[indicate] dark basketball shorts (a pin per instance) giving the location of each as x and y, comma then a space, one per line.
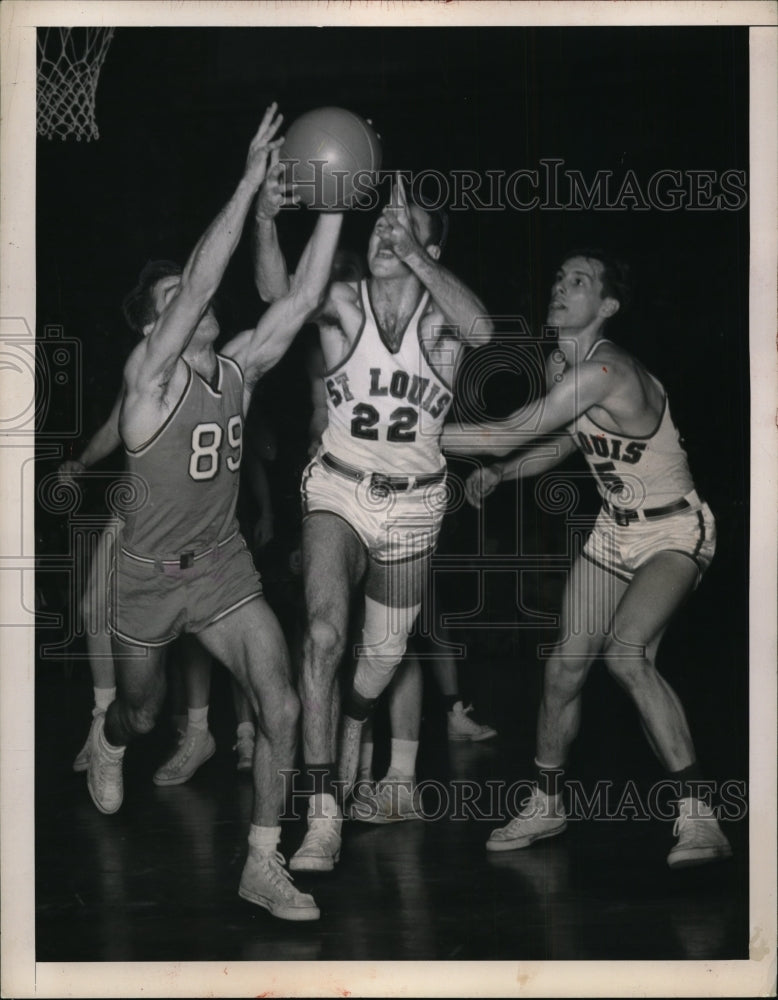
622, 549
394, 525
152, 602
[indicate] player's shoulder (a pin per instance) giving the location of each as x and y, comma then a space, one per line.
608, 351
344, 291
134, 363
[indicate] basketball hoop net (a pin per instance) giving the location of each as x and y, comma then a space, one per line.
69, 64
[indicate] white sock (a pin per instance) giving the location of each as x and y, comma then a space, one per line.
246, 729
458, 705
264, 838
197, 718
403, 760
104, 697
366, 760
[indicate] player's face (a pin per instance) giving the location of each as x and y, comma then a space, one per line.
577, 296
381, 259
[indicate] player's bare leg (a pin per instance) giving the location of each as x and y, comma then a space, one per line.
393, 798
196, 744
140, 683
393, 596
589, 600
658, 589
94, 612
334, 561
250, 643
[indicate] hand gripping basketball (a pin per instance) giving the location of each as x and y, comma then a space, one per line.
274, 194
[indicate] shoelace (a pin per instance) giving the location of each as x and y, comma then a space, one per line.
183, 754
280, 877
685, 821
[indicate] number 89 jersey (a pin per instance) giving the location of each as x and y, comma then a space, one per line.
386, 408
190, 470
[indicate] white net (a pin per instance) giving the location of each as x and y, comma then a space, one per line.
69, 64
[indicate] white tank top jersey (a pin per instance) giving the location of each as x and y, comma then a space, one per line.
387, 408
635, 472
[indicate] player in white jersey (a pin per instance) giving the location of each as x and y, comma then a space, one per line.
652, 540
373, 495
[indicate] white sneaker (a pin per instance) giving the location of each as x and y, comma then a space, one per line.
104, 776
320, 849
700, 839
348, 752
81, 762
461, 727
389, 801
266, 882
195, 749
539, 818
245, 748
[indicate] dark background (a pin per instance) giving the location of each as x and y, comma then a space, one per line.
176, 110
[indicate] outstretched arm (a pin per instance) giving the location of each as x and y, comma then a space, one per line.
527, 462
580, 388
462, 309
270, 273
257, 350
100, 445
206, 265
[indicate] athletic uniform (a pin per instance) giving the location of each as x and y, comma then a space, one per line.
183, 563
650, 504
380, 466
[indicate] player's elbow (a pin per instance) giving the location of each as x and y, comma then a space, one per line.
308, 300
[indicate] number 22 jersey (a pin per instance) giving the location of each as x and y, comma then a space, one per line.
187, 475
386, 408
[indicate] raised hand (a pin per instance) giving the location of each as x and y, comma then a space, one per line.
481, 482
262, 145
395, 226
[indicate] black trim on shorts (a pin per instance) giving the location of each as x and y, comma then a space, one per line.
701, 542
405, 559
608, 569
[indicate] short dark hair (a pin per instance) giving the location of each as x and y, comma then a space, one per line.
616, 276
439, 224
138, 305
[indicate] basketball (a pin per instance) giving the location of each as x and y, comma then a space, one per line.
331, 157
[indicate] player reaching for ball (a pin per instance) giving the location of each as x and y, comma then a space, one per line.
182, 565
651, 543
373, 495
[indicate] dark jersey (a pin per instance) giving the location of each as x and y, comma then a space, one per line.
188, 472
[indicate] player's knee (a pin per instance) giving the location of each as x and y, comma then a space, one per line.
384, 638
564, 678
626, 662
324, 644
